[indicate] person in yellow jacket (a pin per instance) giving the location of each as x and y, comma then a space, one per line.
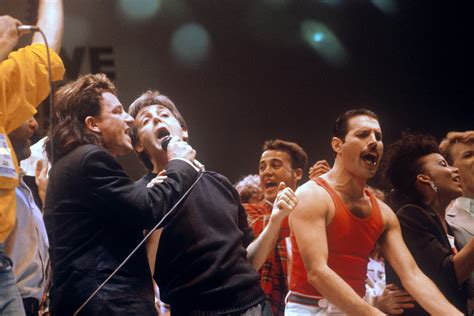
24, 83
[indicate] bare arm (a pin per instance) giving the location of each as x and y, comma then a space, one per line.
393, 300
259, 250
414, 281
41, 178
464, 262
51, 22
308, 222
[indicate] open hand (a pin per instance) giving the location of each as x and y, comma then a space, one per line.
160, 177
394, 301
318, 169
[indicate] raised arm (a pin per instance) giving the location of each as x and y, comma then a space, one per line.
51, 22
259, 250
308, 222
122, 200
9, 35
413, 279
319, 168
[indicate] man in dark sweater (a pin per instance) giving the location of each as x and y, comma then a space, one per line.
207, 255
94, 213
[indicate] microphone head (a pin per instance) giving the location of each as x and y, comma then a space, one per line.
26, 29
165, 142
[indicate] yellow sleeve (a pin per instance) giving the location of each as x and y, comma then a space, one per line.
24, 83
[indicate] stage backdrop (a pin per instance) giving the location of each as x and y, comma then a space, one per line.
245, 71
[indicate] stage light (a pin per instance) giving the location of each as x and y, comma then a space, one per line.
190, 44
139, 9
386, 6
324, 42
318, 37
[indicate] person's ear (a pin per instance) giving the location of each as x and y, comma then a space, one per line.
91, 124
185, 134
298, 174
336, 144
423, 178
139, 147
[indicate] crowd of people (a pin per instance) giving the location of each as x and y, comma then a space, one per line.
183, 240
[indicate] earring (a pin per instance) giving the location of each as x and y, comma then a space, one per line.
433, 186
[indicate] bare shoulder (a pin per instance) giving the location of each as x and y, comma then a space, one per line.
388, 215
313, 201
310, 187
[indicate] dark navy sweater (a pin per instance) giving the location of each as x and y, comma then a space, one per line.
201, 264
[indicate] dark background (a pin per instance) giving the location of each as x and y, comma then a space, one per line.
260, 80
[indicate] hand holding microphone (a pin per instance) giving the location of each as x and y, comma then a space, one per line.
9, 35
177, 148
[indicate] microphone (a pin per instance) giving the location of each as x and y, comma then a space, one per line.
27, 29
164, 145
165, 142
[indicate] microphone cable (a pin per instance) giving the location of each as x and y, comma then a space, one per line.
51, 92
138, 246
25, 29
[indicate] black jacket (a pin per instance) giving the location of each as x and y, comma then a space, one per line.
424, 236
95, 215
201, 264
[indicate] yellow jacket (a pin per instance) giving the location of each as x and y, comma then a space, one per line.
23, 85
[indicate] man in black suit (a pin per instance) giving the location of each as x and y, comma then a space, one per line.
94, 213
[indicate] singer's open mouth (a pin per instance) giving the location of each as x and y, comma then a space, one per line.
162, 132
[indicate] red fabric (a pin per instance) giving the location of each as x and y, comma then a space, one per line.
350, 242
274, 272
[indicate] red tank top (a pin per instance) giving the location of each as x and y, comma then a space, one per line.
350, 242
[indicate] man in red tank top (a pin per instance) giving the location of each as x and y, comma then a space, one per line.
336, 225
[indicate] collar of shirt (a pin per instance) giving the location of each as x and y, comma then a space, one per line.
465, 204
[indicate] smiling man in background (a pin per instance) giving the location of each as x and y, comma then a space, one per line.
281, 161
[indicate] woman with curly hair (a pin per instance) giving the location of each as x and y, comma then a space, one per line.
426, 184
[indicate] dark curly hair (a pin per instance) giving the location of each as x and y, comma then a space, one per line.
298, 156
402, 164
72, 103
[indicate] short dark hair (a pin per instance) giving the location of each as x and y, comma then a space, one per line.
298, 156
72, 103
402, 162
341, 125
452, 138
149, 98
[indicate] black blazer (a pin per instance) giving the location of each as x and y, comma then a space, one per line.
424, 236
95, 215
